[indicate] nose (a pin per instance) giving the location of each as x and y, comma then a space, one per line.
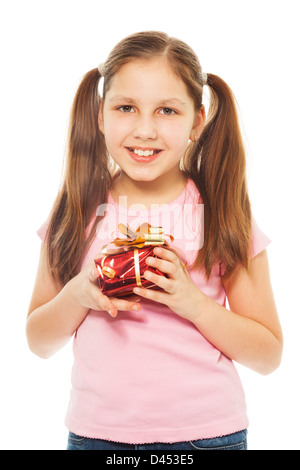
145, 128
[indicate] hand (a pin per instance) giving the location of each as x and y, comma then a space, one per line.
180, 293
86, 291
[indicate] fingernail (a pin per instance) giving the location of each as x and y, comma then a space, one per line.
136, 307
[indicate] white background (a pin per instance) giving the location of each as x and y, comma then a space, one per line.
46, 48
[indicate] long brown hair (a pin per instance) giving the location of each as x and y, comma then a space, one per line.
216, 163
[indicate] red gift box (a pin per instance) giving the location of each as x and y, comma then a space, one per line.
122, 268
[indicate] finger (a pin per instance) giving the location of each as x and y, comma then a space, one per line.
166, 254
133, 298
160, 281
172, 256
93, 274
162, 265
102, 302
113, 304
125, 305
154, 295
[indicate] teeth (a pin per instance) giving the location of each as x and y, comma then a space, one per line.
140, 153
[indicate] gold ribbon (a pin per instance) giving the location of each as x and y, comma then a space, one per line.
110, 273
144, 235
137, 267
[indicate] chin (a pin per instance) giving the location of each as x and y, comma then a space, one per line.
146, 175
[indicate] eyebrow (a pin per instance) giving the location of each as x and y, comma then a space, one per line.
168, 102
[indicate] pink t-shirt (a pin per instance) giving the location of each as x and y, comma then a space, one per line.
151, 376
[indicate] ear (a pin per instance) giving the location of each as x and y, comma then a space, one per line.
198, 126
100, 118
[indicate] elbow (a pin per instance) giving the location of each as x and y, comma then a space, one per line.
272, 362
34, 343
268, 368
39, 352
40, 343
37, 349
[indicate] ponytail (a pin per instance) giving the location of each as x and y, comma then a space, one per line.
85, 184
221, 180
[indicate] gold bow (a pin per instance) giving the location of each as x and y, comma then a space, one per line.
145, 235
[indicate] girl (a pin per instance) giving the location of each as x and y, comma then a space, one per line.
155, 370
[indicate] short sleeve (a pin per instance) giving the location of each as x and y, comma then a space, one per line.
42, 231
259, 242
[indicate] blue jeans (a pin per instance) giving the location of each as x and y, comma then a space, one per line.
236, 441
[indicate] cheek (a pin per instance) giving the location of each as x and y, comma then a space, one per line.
114, 133
177, 136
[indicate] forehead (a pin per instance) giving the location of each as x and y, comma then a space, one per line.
144, 80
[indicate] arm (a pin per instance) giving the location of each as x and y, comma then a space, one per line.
55, 312
248, 333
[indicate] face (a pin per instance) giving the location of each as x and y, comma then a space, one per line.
148, 119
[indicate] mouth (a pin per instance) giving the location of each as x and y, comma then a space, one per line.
143, 155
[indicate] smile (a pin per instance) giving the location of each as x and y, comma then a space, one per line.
143, 155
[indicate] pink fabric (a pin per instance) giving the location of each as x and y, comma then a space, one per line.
150, 376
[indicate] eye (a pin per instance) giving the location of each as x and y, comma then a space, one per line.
167, 111
126, 109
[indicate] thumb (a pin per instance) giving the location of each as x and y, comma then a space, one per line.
93, 273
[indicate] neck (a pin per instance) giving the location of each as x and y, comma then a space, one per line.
158, 191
